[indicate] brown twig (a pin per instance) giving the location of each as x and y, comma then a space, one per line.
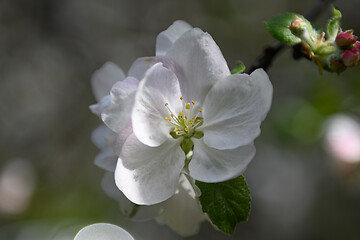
268, 55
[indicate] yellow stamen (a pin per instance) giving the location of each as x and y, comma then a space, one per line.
193, 102
166, 104
181, 98
187, 106
172, 115
167, 119
199, 110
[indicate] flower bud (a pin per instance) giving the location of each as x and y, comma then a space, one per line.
337, 66
297, 27
356, 48
345, 39
350, 58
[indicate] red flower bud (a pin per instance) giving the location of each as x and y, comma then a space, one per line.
350, 58
345, 39
356, 48
337, 66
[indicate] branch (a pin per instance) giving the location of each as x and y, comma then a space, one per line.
267, 57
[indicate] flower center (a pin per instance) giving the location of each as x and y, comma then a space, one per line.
186, 121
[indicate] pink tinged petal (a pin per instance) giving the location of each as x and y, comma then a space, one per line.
213, 165
167, 38
159, 86
149, 175
183, 212
100, 106
117, 115
141, 65
234, 108
199, 64
104, 78
342, 138
128, 208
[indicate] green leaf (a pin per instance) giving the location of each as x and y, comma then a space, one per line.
240, 67
334, 25
226, 203
278, 27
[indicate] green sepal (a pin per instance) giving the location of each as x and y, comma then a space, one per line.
325, 50
333, 25
278, 27
198, 134
226, 203
187, 145
240, 67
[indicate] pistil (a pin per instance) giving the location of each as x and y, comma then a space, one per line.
185, 123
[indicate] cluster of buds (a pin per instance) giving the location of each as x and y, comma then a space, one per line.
346, 42
333, 53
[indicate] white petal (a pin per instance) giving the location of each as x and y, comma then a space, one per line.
141, 65
121, 138
183, 212
104, 78
118, 114
159, 86
128, 208
98, 136
106, 159
199, 64
149, 175
103, 231
213, 165
166, 38
100, 106
234, 108
103, 138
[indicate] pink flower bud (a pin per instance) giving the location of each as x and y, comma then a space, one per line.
337, 66
350, 58
297, 27
356, 48
345, 39
297, 23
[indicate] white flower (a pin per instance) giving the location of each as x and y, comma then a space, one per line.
342, 138
187, 99
182, 212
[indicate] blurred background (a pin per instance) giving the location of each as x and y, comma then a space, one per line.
301, 187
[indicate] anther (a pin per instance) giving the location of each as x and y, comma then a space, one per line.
193, 102
199, 110
181, 98
187, 106
166, 104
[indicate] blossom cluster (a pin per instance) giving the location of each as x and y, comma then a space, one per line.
332, 53
177, 117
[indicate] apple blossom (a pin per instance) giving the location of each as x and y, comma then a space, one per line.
342, 138
189, 115
182, 212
